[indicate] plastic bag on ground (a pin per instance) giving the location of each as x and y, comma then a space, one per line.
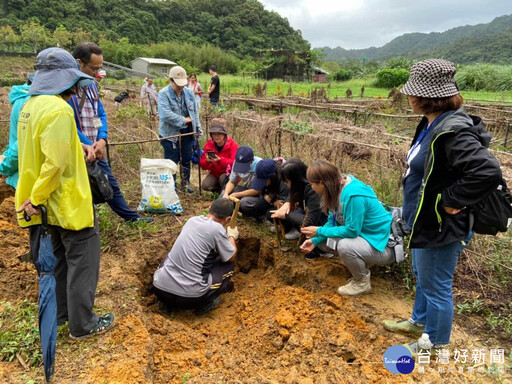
158, 189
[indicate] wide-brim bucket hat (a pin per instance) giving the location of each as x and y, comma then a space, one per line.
56, 72
432, 78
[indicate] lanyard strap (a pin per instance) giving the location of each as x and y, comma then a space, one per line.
92, 102
423, 134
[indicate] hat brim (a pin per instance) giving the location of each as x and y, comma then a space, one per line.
258, 184
239, 167
181, 82
428, 91
218, 129
56, 81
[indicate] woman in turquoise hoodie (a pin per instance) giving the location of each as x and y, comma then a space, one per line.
9, 160
357, 228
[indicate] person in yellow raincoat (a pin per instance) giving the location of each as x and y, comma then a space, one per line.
52, 172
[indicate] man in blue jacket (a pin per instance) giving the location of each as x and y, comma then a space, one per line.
91, 122
177, 109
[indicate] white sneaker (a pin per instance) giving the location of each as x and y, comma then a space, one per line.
272, 229
292, 235
356, 287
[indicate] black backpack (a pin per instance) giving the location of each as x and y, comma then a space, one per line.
101, 189
121, 97
493, 214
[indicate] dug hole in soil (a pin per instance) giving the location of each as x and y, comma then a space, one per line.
284, 323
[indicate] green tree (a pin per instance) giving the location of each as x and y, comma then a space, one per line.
9, 37
34, 33
61, 37
81, 35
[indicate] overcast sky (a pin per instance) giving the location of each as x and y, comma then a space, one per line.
354, 24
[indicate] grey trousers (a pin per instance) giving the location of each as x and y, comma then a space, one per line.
214, 184
76, 273
358, 255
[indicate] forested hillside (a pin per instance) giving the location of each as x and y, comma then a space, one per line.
468, 44
242, 27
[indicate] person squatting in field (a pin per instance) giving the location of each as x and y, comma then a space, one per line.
357, 228
302, 203
199, 267
218, 156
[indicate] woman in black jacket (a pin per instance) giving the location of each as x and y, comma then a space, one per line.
302, 198
449, 168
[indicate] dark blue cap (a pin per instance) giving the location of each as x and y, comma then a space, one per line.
243, 159
264, 169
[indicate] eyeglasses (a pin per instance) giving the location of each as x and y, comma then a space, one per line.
94, 69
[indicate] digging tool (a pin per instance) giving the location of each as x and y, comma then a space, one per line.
232, 223
278, 232
302, 237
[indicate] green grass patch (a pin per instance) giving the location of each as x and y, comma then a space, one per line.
19, 333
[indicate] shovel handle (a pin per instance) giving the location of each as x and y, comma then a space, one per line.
232, 223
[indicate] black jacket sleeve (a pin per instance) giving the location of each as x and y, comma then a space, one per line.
479, 171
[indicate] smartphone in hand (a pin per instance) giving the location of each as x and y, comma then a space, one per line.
211, 154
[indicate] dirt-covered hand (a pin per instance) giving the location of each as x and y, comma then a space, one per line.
233, 232
281, 212
307, 247
309, 231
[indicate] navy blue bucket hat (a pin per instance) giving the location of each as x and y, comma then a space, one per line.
56, 71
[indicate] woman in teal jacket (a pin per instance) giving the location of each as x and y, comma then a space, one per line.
357, 228
9, 163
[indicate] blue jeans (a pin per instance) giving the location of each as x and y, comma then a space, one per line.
172, 152
118, 203
433, 305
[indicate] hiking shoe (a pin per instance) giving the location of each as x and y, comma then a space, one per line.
104, 324
292, 235
189, 189
356, 287
208, 307
413, 348
403, 326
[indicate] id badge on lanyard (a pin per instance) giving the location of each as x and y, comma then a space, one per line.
97, 122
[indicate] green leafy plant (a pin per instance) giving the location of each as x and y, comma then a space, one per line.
300, 128
388, 77
19, 333
476, 306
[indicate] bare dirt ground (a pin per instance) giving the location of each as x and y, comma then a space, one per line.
284, 323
